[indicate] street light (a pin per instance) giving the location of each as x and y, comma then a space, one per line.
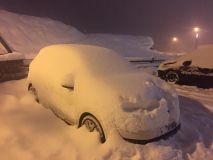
196, 31
175, 39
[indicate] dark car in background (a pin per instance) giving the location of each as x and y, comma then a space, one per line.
11, 63
194, 68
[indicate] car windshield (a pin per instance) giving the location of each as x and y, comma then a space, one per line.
109, 63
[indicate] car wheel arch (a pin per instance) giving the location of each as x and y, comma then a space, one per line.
99, 121
172, 72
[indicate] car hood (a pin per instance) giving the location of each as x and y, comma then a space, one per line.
169, 64
141, 90
146, 102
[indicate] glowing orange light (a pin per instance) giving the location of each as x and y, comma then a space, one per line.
174, 39
196, 29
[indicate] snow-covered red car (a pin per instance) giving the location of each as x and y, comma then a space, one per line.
11, 63
95, 87
194, 68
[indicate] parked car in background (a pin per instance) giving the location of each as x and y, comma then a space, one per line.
11, 63
94, 86
195, 68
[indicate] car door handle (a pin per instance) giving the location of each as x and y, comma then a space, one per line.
68, 87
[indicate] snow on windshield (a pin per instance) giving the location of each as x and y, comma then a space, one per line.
105, 61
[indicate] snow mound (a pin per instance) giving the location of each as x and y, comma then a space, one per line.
125, 45
28, 34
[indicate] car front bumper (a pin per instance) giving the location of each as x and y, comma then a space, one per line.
153, 135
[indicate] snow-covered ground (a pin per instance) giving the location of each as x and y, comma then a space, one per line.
29, 131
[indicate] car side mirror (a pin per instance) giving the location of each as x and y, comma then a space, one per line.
187, 63
68, 82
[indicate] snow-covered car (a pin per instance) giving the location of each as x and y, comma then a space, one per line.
94, 86
194, 68
11, 63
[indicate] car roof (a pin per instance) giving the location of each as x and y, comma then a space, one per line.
200, 57
96, 59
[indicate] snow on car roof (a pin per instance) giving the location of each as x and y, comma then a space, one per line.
96, 59
201, 57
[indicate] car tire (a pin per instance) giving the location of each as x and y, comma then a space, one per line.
92, 124
33, 91
172, 77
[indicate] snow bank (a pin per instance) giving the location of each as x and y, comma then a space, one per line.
28, 34
125, 45
28, 131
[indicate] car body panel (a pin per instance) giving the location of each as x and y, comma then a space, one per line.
194, 68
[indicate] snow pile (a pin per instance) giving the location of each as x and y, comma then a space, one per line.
28, 131
28, 34
125, 45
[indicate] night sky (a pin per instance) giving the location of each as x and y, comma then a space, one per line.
160, 19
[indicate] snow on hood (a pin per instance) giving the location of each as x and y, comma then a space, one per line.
28, 34
139, 90
148, 99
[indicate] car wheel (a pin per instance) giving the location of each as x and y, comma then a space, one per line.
92, 124
33, 91
172, 77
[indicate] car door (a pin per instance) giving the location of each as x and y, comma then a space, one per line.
65, 98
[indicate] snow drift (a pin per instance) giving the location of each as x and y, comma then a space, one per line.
28, 34
126, 45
